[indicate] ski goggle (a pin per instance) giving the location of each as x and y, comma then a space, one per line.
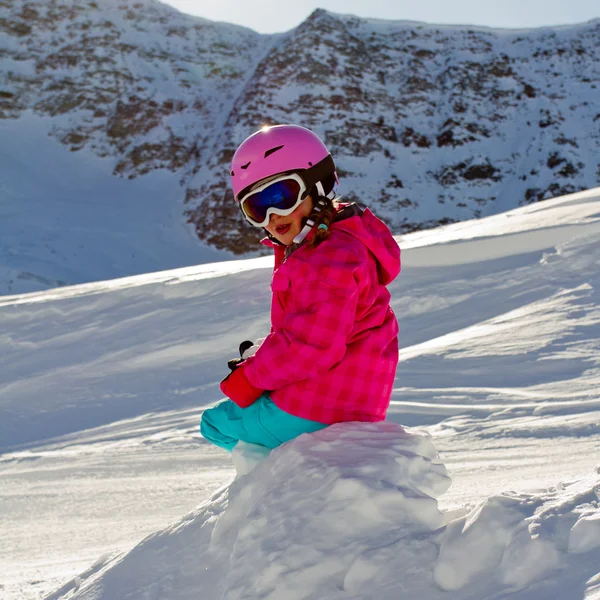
280, 196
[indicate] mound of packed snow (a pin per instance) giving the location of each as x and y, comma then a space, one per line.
312, 519
512, 540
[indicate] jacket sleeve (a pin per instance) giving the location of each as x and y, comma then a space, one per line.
319, 319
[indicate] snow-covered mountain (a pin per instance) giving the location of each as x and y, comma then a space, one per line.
108, 492
429, 124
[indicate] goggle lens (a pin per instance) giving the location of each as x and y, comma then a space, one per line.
281, 195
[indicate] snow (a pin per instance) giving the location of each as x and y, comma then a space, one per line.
109, 492
64, 214
516, 539
282, 535
349, 510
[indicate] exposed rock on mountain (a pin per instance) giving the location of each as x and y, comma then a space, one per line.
428, 124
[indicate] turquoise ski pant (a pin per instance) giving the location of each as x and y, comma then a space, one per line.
260, 423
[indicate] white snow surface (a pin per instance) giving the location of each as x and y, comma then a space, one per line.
65, 219
103, 386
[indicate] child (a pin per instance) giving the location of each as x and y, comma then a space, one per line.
332, 352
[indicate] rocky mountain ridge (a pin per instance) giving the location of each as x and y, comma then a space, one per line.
428, 124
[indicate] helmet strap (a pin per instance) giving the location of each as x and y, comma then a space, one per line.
319, 205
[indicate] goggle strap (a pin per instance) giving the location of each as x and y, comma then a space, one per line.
319, 172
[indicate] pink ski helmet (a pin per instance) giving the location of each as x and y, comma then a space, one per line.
280, 149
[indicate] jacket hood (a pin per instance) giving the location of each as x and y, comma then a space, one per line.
366, 227
375, 235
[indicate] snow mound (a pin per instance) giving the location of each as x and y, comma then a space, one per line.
308, 521
513, 540
351, 512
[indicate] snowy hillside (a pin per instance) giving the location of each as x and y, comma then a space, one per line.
351, 512
65, 219
109, 492
429, 124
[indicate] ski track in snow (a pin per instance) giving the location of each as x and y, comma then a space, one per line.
103, 386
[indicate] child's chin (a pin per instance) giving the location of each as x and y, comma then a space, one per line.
286, 239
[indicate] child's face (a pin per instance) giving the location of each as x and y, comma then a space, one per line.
285, 229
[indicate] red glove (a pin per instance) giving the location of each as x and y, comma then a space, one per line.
237, 388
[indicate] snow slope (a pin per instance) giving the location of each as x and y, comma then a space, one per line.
351, 512
103, 386
65, 219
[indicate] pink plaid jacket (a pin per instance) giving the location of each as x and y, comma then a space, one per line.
332, 352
